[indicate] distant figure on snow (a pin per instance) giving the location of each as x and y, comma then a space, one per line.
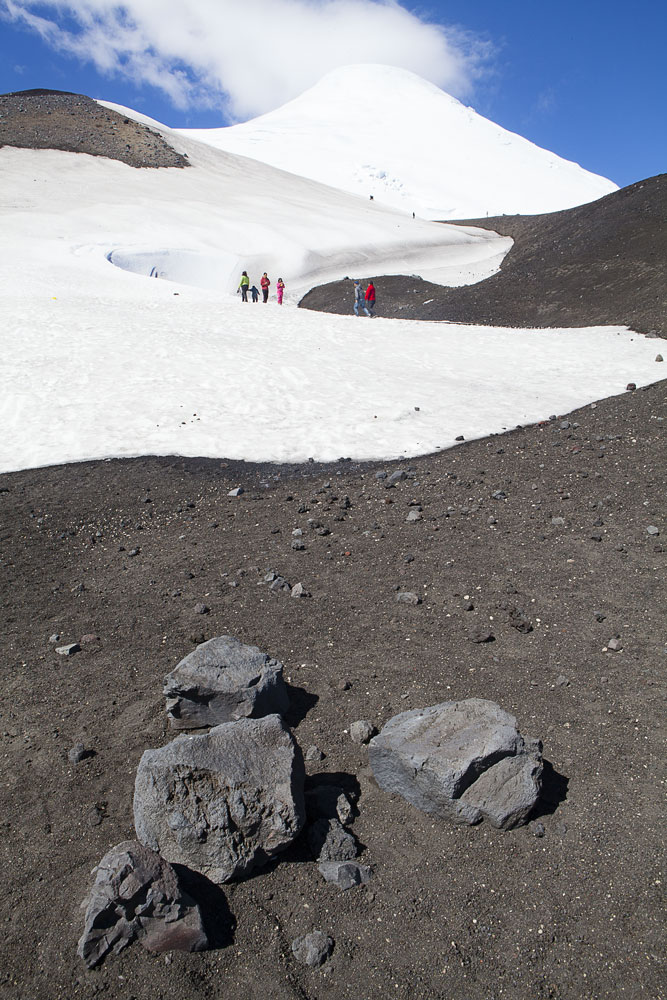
358, 297
254, 291
370, 299
265, 287
244, 284
280, 288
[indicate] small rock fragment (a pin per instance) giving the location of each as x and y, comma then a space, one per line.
69, 650
236, 492
362, 731
344, 874
312, 949
395, 477
329, 841
480, 634
78, 753
408, 597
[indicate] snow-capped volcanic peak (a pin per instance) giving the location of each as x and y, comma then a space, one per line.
385, 132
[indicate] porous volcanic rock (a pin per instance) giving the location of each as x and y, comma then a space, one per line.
461, 760
137, 896
222, 680
224, 802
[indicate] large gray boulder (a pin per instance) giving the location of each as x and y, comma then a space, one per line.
461, 760
137, 896
222, 680
223, 802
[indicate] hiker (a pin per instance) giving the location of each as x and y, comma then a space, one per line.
370, 299
265, 287
254, 291
280, 288
358, 296
244, 284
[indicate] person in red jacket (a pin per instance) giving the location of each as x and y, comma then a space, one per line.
370, 299
265, 287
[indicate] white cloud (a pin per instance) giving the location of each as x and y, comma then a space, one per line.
249, 57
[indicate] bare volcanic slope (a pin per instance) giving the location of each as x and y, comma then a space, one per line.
54, 119
600, 263
544, 538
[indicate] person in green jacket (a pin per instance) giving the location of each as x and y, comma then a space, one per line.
243, 286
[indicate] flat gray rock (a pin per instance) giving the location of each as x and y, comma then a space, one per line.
222, 680
225, 802
462, 761
344, 874
137, 896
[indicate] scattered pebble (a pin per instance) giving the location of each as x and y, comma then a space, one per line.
312, 949
69, 650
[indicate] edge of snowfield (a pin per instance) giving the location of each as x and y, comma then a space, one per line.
100, 362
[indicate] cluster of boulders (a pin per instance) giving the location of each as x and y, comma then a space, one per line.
225, 801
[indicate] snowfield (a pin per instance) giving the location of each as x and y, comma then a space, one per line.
101, 360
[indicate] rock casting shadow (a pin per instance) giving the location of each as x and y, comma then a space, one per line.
219, 922
300, 704
554, 791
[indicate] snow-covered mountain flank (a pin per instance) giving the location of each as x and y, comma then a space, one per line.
383, 131
103, 361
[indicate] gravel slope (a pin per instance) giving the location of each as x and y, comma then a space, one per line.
52, 119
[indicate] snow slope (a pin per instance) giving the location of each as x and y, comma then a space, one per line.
100, 361
383, 131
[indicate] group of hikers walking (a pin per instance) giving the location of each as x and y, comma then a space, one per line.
265, 284
365, 300
362, 299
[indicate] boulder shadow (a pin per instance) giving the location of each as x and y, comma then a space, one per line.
219, 922
300, 704
554, 791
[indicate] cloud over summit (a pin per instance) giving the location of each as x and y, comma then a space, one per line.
248, 58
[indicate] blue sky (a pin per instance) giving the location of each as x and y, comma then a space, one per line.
586, 80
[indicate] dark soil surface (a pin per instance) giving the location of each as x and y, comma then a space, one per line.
51, 119
598, 264
124, 550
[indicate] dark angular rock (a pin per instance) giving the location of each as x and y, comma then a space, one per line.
136, 896
329, 841
222, 680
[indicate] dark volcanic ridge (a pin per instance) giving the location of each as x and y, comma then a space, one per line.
604, 263
53, 119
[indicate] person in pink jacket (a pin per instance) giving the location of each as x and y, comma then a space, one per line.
280, 288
